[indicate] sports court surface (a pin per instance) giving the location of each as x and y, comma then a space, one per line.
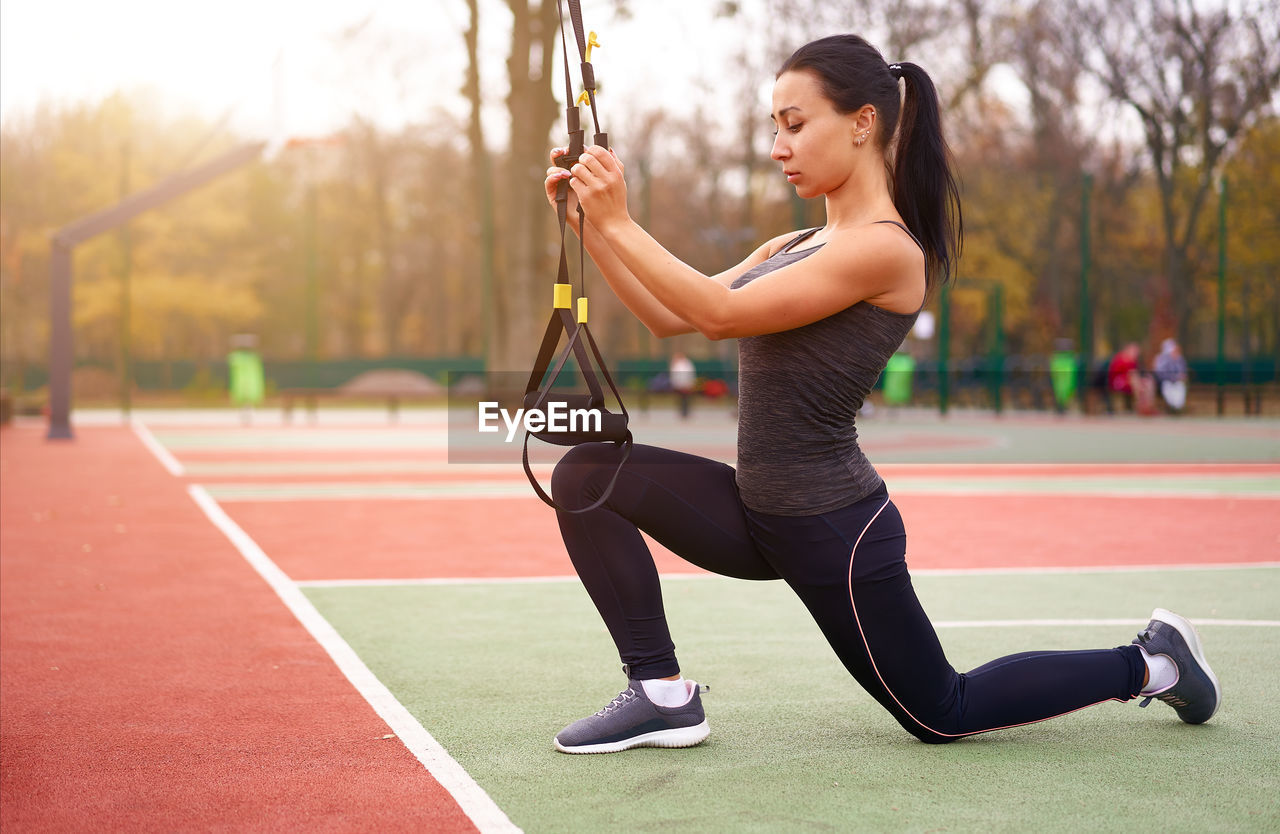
330, 627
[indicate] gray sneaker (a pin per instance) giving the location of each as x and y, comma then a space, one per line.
632, 720
1195, 694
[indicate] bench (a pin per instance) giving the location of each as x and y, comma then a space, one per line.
390, 385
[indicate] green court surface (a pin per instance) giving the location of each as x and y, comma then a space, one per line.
495, 669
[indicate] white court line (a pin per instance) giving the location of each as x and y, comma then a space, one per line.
167, 460
540, 580
473, 800
1090, 569
466, 580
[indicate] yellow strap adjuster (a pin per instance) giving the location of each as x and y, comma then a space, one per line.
582, 310
563, 299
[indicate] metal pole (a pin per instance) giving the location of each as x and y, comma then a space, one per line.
997, 358
1246, 349
312, 301
61, 349
1222, 294
944, 347
1085, 350
135, 204
488, 253
126, 308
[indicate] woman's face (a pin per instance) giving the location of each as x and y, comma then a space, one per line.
814, 142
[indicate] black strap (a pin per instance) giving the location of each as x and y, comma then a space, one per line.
798, 239
581, 344
562, 322
604, 496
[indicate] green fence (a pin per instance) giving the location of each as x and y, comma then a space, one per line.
993, 381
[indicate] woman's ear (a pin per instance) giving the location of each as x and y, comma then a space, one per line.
864, 124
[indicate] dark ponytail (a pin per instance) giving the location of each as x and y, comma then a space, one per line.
854, 74
924, 187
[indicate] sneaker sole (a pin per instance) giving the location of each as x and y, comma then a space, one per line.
679, 737
1188, 632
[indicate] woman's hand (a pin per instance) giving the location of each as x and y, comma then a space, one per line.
597, 179
554, 175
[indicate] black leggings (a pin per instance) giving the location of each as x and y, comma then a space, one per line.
848, 566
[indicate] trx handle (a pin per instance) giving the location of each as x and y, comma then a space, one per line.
604, 496
538, 395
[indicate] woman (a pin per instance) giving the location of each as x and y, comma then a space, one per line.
817, 315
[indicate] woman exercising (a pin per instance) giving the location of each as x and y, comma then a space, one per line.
817, 315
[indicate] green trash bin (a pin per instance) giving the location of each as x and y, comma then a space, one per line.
1062, 374
897, 379
244, 372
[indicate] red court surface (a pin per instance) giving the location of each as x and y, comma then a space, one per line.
151, 680
503, 537
1028, 531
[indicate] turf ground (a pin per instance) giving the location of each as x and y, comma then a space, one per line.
331, 627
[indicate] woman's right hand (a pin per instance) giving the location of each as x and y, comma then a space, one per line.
554, 175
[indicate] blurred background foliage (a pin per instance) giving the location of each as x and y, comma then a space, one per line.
433, 240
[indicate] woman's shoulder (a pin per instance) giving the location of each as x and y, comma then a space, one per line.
888, 260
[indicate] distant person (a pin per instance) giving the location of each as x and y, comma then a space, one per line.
684, 379
1122, 376
1170, 369
817, 313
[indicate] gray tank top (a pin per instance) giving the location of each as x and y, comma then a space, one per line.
799, 392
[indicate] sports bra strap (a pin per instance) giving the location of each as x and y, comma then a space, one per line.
800, 238
908, 231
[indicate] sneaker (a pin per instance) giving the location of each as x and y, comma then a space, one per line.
1195, 694
632, 720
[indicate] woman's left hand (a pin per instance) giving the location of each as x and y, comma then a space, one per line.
597, 179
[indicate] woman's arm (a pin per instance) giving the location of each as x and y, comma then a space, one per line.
654, 315
862, 264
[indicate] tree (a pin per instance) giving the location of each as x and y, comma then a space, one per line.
62, 163
1253, 227
520, 300
953, 41
1196, 79
486, 220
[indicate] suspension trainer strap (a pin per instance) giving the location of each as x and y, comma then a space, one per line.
539, 396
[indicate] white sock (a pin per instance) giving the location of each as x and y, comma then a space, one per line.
667, 693
1161, 673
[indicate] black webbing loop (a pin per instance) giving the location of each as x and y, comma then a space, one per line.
538, 394
612, 428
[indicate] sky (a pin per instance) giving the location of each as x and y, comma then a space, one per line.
280, 66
